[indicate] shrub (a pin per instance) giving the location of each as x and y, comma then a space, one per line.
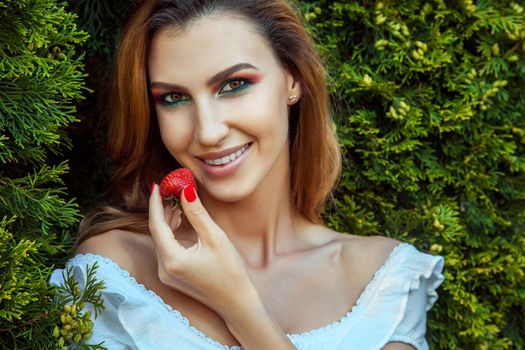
432, 122
40, 78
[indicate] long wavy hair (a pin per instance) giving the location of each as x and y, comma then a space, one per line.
134, 141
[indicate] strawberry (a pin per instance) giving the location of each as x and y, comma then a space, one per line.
172, 185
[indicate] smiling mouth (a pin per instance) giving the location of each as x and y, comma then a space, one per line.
228, 158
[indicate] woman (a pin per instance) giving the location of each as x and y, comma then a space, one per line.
235, 92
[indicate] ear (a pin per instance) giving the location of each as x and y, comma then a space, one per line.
294, 88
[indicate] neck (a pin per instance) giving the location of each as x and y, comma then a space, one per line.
263, 225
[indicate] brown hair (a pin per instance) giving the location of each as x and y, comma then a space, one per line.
134, 139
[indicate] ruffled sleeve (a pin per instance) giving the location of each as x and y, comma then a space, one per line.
393, 306
422, 275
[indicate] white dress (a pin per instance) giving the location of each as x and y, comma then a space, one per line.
392, 307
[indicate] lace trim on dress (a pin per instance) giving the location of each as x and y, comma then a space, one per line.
363, 296
150, 294
76, 260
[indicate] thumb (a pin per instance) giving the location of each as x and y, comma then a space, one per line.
198, 216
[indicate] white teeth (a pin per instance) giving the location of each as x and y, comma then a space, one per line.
228, 158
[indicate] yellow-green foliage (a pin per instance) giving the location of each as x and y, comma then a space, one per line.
40, 79
432, 121
74, 326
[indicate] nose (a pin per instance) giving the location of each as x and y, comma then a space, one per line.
210, 127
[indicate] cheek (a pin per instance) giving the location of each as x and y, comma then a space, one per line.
268, 113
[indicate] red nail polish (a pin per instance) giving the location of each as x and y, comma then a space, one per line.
152, 187
189, 193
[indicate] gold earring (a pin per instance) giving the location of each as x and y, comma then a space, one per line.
292, 99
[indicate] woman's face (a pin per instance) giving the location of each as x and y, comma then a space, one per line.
221, 99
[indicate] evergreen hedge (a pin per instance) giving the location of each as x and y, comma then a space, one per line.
432, 122
431, 118
41, 76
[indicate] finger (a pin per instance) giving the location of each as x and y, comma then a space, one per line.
197, 215
168, 214
160, 230
172, 216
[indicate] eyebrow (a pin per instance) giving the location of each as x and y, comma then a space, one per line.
213, 80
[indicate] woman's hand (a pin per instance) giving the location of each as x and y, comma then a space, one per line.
211, 270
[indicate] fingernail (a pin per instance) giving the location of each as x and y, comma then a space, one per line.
152, 188
189, 193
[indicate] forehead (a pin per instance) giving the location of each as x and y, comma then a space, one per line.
206, 46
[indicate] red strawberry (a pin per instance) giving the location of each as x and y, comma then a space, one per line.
173, 183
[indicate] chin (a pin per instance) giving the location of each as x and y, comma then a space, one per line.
232, 193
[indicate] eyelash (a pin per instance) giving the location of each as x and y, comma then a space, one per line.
244, 84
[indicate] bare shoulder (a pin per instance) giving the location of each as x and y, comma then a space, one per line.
354, 249
372, 246
125, 248
361, 257
368, 250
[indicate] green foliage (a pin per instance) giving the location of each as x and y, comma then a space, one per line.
75, 323
40, 79
432, 122
16, 285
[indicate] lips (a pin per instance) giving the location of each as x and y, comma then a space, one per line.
224, 156
227, 158
226, 162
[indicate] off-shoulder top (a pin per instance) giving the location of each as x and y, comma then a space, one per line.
392, 307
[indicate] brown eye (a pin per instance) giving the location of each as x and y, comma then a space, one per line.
234, 85
173, 99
